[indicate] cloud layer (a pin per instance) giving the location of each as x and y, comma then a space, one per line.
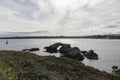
67, 17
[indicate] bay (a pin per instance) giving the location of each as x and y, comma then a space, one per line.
108, 50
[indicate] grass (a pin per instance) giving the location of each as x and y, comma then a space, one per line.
16, 65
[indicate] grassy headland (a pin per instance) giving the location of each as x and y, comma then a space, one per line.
28, 66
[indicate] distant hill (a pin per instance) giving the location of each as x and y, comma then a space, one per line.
108, 36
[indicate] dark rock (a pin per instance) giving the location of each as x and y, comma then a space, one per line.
65, 48
53, 48
26, 50
83, 52
114, 67
34, 49
73, 53
91, 55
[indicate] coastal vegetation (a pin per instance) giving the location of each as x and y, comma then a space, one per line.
15, 65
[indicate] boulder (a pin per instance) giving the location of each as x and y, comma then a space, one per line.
65, 48
91, 55
26, 50
53, 48
114, 67
73, 53
32, 49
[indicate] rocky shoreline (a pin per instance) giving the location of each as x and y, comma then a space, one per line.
65, 50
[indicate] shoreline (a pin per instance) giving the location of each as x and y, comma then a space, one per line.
55, 38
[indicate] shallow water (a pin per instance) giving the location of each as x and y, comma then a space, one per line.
108, 50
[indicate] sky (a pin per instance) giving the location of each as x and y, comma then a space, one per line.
59, 17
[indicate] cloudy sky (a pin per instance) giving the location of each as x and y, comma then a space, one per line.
59, 17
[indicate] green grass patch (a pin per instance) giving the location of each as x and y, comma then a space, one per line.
16, 65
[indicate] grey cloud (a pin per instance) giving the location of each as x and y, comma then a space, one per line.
76, 15
24, 33
24, 2
112, 26
27, 9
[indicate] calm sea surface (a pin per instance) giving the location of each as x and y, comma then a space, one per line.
108, 50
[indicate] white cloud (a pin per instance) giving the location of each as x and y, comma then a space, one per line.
67, 17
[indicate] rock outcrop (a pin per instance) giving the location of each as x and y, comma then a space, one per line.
73, 53
65, 48
32, 49
114, 67
91, 55
83, 52
53, 48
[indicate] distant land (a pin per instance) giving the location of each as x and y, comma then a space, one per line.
109, 36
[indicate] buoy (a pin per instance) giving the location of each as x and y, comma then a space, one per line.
6, 42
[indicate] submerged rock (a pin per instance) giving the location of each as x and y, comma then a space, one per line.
91, 55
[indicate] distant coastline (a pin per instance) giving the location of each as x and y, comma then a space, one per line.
53, 37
